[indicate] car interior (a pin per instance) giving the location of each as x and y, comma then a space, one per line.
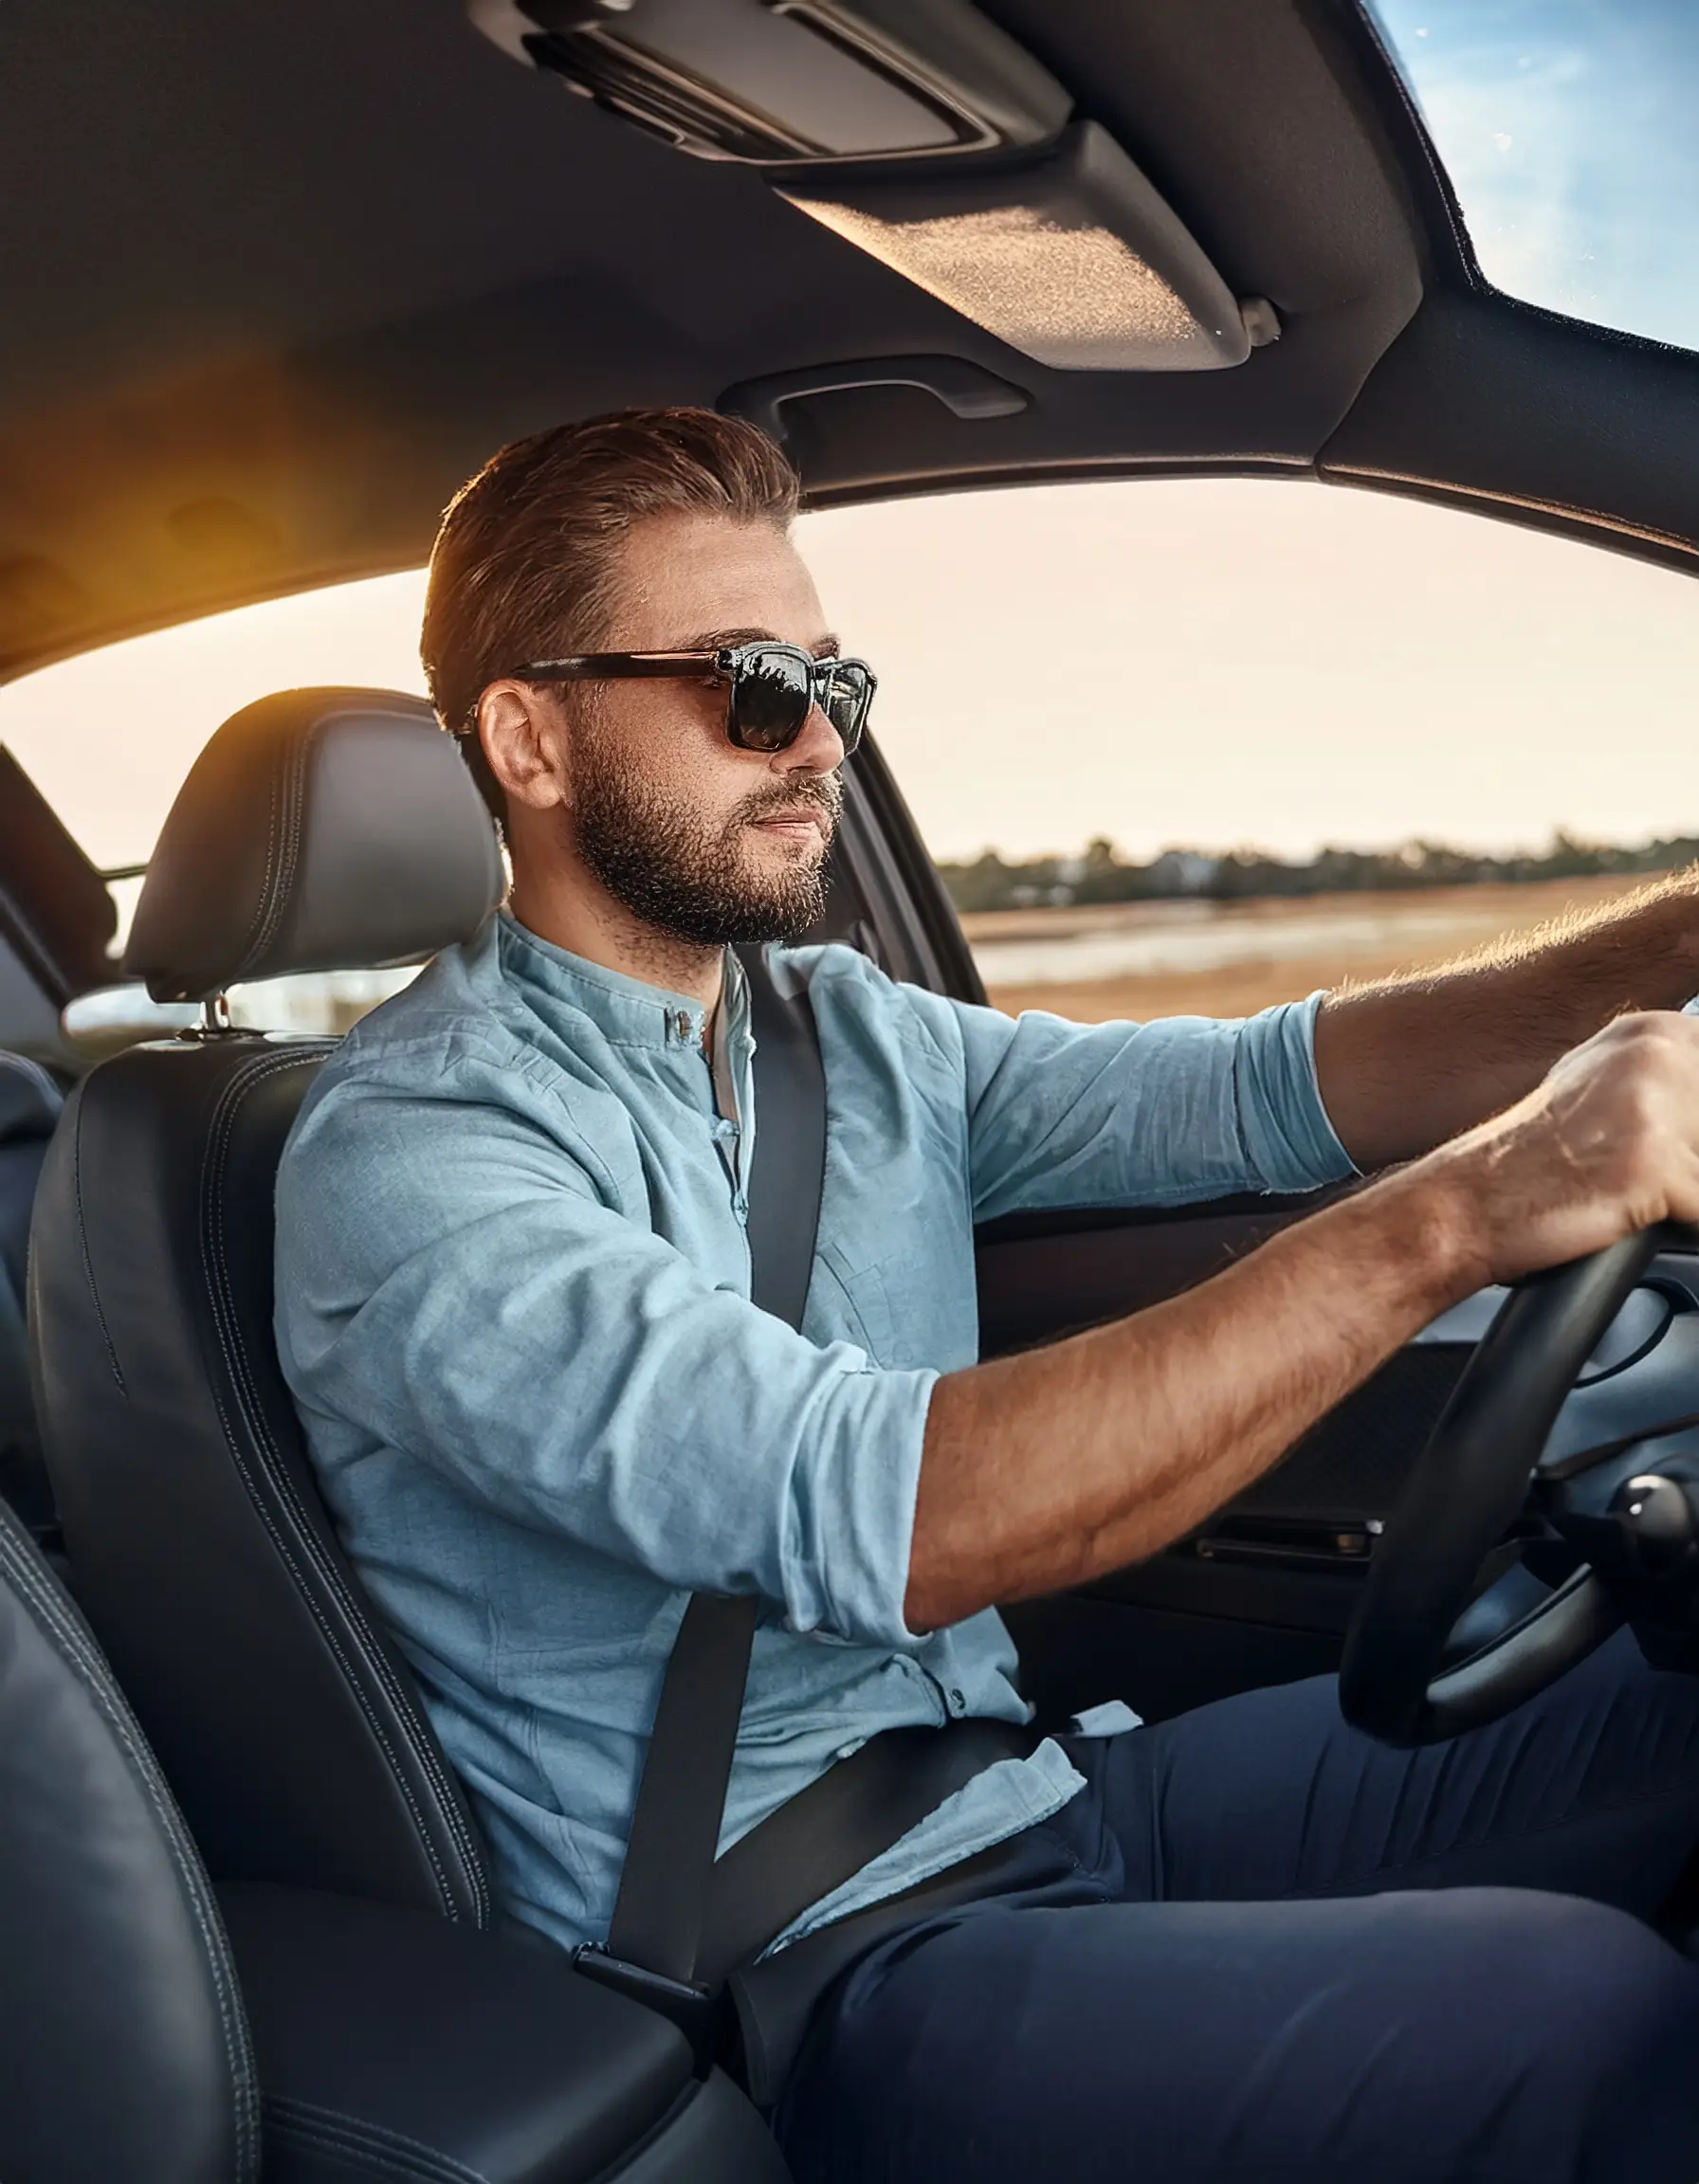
284, 278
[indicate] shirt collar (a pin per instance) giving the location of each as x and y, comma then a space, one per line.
627, 1011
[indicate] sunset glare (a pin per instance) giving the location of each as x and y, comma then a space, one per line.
1207, 661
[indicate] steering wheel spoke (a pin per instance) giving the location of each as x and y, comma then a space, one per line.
1547, 1642
1462, 1501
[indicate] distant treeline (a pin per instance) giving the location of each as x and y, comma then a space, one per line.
1103, 874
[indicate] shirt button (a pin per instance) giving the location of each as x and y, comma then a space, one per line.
957, 1700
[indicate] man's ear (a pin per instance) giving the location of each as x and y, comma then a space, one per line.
520, 735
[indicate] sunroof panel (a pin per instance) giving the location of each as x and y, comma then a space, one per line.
1567, 128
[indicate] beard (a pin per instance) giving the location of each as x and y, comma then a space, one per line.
695, 883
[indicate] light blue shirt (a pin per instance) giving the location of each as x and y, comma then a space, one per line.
513, 1305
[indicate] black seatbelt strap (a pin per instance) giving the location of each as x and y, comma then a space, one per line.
784, 1185
825, 1834
666, 1881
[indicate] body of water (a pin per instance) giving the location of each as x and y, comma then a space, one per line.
1168, 939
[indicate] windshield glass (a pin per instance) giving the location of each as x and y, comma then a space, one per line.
1179, 746
1566, 127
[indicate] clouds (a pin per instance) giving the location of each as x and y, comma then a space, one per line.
1565, 128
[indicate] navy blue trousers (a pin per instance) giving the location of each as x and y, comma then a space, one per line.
1261, 1948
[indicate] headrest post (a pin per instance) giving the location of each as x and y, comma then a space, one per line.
216, 1021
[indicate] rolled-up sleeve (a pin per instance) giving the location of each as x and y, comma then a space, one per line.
482, 1307
1183, 1109
1290, 1140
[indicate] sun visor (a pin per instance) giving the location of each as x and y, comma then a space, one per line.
923, 134
1073, 259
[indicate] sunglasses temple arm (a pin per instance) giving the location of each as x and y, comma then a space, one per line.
621, 667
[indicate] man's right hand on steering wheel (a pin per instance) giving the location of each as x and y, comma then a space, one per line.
1607, 1144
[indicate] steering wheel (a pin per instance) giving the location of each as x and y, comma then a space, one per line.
1466, 1491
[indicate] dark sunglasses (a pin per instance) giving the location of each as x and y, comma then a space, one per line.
774, 687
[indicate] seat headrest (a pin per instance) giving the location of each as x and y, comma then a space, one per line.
318, 830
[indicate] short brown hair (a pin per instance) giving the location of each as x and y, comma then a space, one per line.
522, 565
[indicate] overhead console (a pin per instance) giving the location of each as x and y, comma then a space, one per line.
923, 133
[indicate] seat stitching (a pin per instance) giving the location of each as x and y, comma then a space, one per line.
223, 1125
275, 900
333, 2128
256, 922
423, 1753
88, 1264
336, 2127
220, 1289
80, 1652
284, 834
80, 1655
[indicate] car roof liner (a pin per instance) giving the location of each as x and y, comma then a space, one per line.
287, 274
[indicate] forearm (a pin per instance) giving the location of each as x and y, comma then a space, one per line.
1055, 1466
1405, 1065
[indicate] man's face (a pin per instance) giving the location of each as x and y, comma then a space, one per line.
706, 843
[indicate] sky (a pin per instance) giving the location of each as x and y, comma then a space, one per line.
1568, 129
1206, 662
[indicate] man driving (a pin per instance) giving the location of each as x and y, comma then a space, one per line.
514, 1306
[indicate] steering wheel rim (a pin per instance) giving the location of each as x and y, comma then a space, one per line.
1465, 1490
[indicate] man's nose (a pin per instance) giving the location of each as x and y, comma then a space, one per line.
819, 748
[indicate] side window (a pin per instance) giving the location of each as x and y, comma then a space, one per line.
1198, 745
108, 736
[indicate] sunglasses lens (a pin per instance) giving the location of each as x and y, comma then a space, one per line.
771, 695
847, 693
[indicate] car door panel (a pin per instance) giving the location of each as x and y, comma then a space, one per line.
1042, 1275
1263, 1590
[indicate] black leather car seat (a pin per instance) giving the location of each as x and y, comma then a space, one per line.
317, 829
123, 2049
154, 2033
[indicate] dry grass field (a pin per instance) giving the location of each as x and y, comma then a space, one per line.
1146, 960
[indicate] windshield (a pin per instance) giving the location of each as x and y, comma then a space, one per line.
1566, 127
1224, 660
1179, 746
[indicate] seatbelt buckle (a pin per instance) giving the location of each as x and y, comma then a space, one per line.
700, 2013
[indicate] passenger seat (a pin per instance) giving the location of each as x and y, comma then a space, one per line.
156, 2032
